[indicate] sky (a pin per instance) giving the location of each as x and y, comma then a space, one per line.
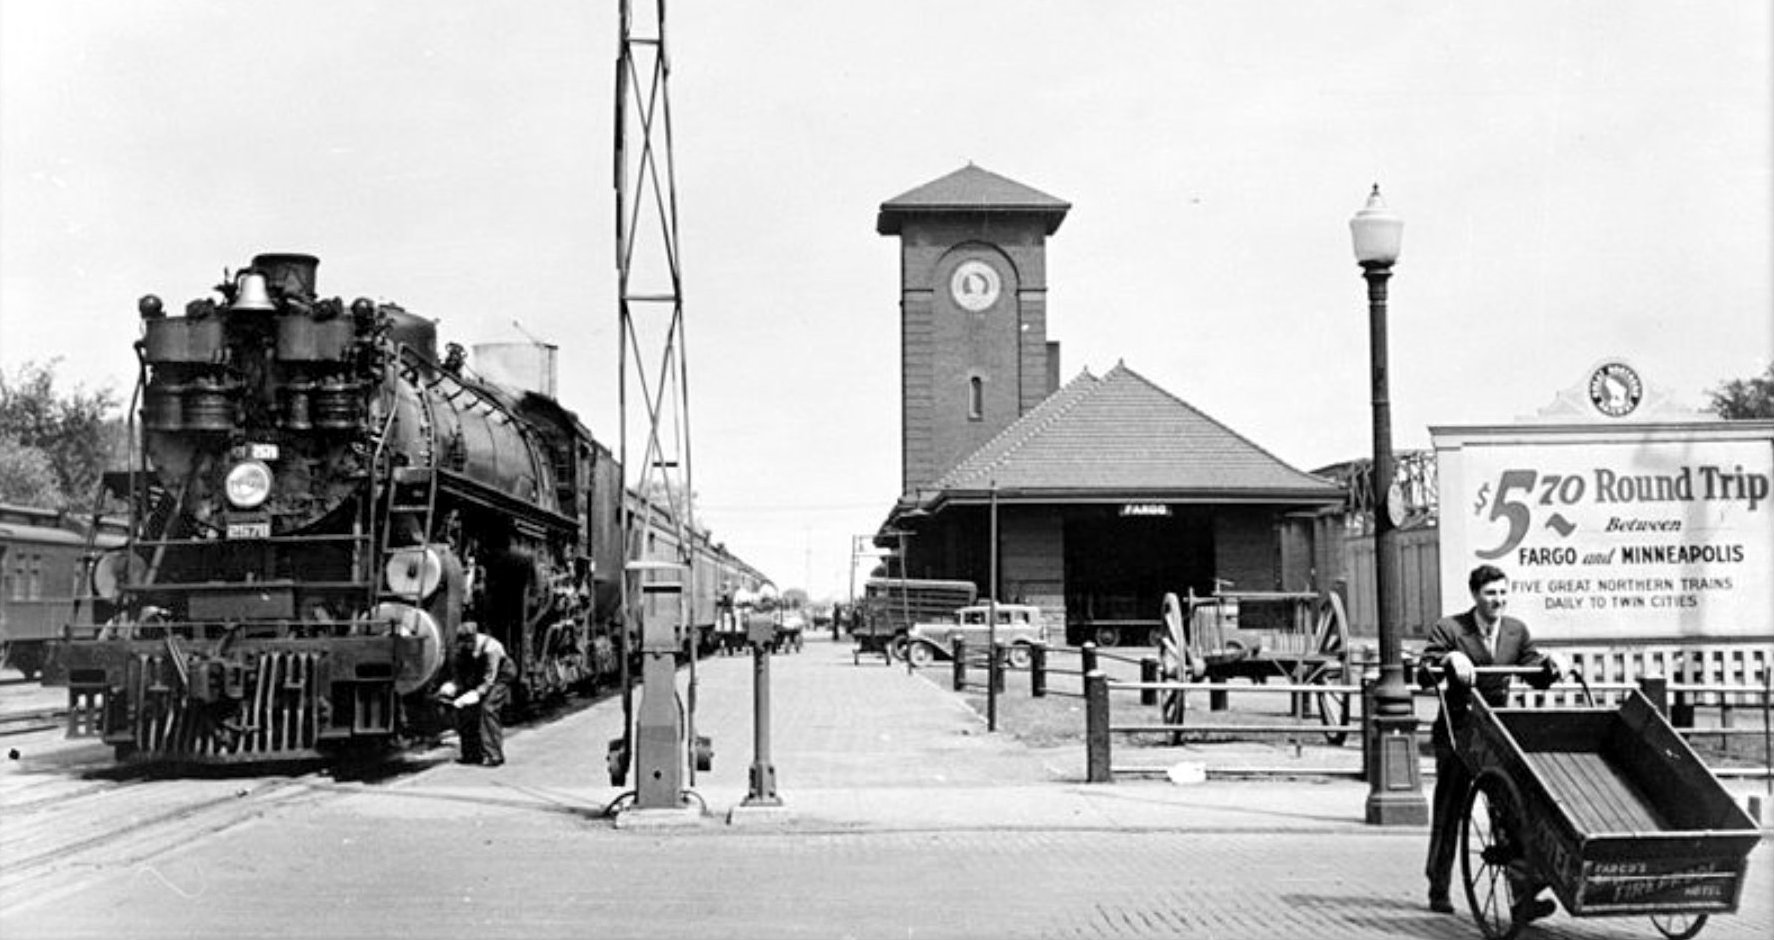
1579, 181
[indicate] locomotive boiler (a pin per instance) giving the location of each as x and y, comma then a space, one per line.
317, 501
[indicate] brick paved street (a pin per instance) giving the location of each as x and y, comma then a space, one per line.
903, 819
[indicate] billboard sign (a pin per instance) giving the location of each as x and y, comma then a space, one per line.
1647, 532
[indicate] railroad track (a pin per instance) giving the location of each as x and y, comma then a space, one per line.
128, 820
47, 719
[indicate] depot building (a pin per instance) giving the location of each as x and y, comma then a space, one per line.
1105, 492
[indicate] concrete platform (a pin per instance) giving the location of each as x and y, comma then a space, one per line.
902, 817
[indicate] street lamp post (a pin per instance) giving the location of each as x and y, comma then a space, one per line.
992, 672
1395, 794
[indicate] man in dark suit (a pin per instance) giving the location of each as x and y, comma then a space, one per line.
1482, 636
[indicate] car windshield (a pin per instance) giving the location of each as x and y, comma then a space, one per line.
1006, 615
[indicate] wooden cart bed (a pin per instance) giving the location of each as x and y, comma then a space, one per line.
1618, 812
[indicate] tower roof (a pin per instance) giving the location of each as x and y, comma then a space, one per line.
971, 190
1120, 436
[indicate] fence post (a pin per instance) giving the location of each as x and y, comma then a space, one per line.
999, 664
1656, 688
1149, 673
1369, 678
1038, 670
1216, 700
1086, 661
959, 651
1096, 727
994, 683
1681, 711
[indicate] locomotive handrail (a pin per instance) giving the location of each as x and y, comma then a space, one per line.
212, 585
287, 538
282, 627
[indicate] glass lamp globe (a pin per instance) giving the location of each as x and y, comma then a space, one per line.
1377, 232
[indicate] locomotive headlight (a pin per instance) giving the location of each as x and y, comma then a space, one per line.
249, 484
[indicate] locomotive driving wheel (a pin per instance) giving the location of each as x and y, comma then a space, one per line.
1492, 859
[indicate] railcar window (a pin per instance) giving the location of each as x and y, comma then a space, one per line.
36, 584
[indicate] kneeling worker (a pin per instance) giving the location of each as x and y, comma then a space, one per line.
481, 683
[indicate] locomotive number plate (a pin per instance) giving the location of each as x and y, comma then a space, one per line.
249, 530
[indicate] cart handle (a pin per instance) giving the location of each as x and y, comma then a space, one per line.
1524, 671
1509, 670
1566, 673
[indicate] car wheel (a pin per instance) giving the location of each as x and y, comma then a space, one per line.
920, 654
896, 648
1020, 657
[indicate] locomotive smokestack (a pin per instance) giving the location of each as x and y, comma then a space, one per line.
293, 274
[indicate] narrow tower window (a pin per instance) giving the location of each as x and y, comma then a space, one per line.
976, 398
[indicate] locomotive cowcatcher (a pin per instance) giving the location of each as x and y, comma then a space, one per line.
316, 502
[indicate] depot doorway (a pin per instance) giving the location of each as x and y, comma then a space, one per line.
1120, 564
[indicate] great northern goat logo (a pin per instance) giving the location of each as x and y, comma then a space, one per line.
1615, 389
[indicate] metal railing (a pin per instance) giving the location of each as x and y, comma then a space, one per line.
1681, 702
1100, 728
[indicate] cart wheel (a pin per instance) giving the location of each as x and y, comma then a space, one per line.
1330, 641
1176, 663
920, 654
1175, 705
1679, 926
1490, 852
1332, 707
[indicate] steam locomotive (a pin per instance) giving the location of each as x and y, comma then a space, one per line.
317, 503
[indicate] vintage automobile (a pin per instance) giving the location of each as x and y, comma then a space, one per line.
1019, 626
789, 629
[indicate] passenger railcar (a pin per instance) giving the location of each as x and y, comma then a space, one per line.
318, 501
43, 555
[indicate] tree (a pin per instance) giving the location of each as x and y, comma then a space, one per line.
27, 476
1745, 398
73, 433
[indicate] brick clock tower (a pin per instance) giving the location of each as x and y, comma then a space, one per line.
973, 350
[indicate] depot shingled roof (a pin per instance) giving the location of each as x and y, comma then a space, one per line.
1122, 436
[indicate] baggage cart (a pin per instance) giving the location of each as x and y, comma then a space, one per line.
1609, 807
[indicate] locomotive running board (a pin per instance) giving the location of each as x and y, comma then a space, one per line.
470, 490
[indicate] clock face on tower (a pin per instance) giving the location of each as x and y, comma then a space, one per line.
975, 285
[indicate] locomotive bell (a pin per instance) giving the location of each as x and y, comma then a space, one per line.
251, 293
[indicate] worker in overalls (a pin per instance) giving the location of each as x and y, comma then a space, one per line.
481, 685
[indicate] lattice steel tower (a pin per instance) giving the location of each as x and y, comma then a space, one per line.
653, 394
